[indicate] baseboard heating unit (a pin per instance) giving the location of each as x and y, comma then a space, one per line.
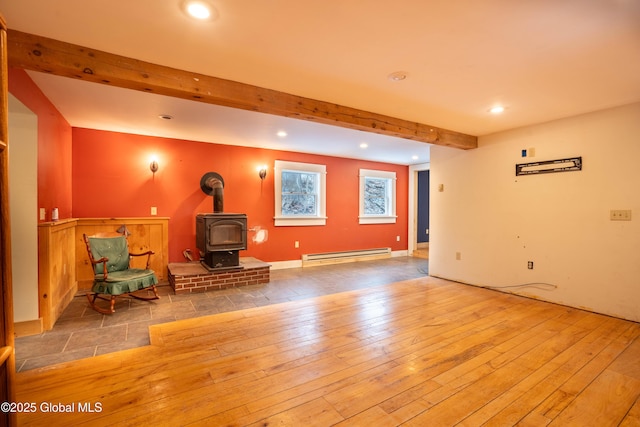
309, 260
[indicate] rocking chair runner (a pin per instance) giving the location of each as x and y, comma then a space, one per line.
110, 256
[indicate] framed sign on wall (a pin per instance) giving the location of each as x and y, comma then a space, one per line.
550, 166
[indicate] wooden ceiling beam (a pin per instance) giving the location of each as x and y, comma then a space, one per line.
32, 52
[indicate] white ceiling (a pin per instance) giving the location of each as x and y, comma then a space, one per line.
541, 59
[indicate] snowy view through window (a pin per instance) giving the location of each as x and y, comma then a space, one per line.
299, 193
375, 196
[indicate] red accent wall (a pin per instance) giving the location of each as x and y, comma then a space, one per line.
111, 178
54, 145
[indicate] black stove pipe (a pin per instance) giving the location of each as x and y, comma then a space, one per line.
213, 185
218, 194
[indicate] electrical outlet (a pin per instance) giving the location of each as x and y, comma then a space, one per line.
397, 238
154, 210
296, 244
620, 215
426, 231
43, 214
530, 265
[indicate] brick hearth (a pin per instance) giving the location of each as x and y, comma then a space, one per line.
188, 277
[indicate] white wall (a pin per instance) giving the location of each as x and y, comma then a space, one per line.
498, 222
23, 201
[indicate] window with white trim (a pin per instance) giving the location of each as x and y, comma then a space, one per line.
300, 193
377, 197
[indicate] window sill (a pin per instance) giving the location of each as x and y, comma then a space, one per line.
302, 221
377, 219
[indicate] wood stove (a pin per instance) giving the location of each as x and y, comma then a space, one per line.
219, 236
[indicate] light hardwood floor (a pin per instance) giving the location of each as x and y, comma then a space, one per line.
418, 352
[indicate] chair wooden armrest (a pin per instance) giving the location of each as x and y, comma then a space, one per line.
147, 253
102, 260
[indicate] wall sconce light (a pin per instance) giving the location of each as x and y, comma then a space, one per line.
262, 172
153, 165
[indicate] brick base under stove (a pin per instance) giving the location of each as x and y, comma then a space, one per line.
188, 277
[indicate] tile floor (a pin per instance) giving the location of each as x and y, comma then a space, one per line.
82, 332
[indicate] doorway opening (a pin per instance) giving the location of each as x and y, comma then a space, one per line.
422, 215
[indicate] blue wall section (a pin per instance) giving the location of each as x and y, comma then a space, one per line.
423, 206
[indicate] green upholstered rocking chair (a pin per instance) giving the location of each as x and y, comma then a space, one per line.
109, 255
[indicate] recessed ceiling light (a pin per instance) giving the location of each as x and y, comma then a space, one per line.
414, 157
199, 9
165, 116
364, 145
398, 76
498, 109
281, 134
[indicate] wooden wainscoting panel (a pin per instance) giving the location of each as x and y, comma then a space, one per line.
56, 269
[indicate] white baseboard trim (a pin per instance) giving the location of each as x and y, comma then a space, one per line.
297, 263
